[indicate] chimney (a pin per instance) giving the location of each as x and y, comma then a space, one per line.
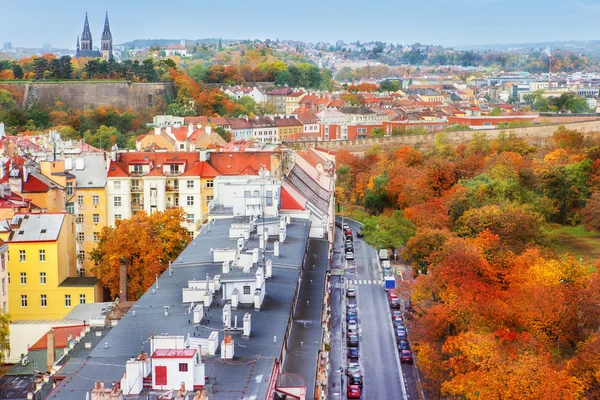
123, 279
190, 130
169, 131
157, 131
208, 130
51, 349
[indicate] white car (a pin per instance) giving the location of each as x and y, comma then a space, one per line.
352, 326
349, 255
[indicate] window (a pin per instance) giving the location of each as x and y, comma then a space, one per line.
3, 286
117, 185
80, 200
190, 185
246, 193
117, 201
210, 183
96, 236
135, 184
42, 278
7, 256
191, 234
80, 218
209, 199
71, 208
80, 237
138, 169
82, 299
118, 217
81, 255
149, 100
23, 278
183, 367
22, 257
96, 218
69, 188
190, 218
95, 199
246, 289
190, 200
269, 198
24, 300
67, 300
81, 273
42, 255
43, 300
181, 146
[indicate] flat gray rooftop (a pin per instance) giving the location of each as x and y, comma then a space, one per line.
247, 375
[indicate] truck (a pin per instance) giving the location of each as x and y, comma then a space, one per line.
383, 254
390, 283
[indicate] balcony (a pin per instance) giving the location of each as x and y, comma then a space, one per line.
137, 189
171, 188
137, 206
136, 173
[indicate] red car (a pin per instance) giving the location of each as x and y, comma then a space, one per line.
406, 357
354, 392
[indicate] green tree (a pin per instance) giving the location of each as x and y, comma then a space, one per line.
17, 71
377, 133
198, 72
388, 232
6, 100
4, 336
376, 198
496, 112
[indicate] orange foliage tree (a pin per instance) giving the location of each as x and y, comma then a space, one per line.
148, 242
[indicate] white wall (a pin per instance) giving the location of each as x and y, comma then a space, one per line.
124, 192
174, 376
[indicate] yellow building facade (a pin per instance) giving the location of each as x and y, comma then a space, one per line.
42, 268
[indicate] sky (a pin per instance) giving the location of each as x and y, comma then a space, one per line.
449, 23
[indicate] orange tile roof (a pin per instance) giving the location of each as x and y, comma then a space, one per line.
61, 336
239, 163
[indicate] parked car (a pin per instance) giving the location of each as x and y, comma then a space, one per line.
351, 317
351, 292
346, 226
360, 233
353, 353
356, 379
383, 254
353, 392
352, 340
394, 303
401, 335
398, 324
338, 224
353, 368
353, 326
403, 345
397, 315
351, 307
349, 255
406, 356
349, 247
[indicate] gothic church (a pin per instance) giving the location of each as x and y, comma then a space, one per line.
86, 49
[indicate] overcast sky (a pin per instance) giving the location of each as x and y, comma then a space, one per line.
457, 22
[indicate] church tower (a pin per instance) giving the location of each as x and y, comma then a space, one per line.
86, 37
106, 40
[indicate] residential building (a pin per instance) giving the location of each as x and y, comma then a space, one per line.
42, 268
27, 180
278, 99
488, 122
430, 125
175, 50
3, 277
189, 137
292, 101
287, 128
241, 128
264, 129
310, 127
361, 115
246, 196
255, 93
89, 205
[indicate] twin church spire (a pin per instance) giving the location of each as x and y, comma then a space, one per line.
85, 47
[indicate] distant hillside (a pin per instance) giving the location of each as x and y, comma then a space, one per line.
144, 43
588, 47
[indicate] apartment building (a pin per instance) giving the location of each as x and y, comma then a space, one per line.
42, 273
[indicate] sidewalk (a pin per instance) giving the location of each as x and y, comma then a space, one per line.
337, 352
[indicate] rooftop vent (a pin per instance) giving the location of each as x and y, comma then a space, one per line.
21, 232
43, 231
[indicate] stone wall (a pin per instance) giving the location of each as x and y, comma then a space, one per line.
534, 135
86, 94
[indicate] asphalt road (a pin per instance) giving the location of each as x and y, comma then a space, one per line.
384, 377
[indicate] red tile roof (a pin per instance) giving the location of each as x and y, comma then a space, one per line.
247, 163
61, 336
288, 202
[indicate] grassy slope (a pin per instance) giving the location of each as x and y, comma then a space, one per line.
578, 242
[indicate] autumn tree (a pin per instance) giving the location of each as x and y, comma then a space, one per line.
591, 213
149, 242
388, 231
4, 336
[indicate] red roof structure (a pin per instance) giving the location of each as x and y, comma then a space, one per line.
61, 337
